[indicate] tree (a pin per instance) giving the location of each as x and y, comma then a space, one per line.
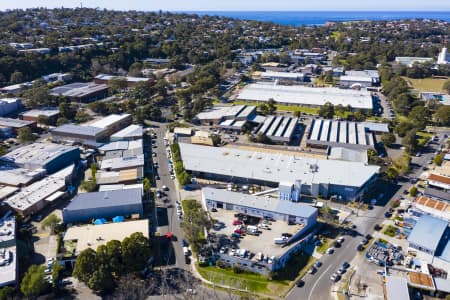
7, 293
326, 111
66, 110
16, 77
93, 170
391, 173
388, 139
50, 222
410, 141
43, 119
25, 135
413, 191
117, 84
271, 106
446, 86
101, 280
438, 159
89, 185
135, 252
38, 94
33, 283
147, 185
61, 121
85, 265
114, 252
82, 116
419, 116
442, 115
403, 127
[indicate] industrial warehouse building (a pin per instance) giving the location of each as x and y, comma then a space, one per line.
81, 91
92, 134
280, 76
347, 180
88, 206
131, 81
10, 126
306, 96
225, 115
362, 79
279, 129
51, 113
326, 133
51, 157
9, 105
130, 133
36, 196
428, 234
261, 207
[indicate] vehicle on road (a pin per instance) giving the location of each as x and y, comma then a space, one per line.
335, 277
340, 239
318, 264
165, 188
312, 270
345, 265
237, 222
300, 283
330, 250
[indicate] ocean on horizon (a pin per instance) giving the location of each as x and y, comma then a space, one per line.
309, 18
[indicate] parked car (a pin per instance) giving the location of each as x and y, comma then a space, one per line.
237, 222
345, 265
239, 231
335, 277
318, 264
312, 270
300, 283
330, 250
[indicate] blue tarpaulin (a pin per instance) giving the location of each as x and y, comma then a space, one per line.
99, 221
118, 219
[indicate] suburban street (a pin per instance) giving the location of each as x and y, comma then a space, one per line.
167, 216
318, 286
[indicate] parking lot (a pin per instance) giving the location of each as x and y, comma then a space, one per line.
263, 242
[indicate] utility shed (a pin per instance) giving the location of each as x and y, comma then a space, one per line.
108, 204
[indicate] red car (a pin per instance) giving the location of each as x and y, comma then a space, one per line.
237, 222
238, 231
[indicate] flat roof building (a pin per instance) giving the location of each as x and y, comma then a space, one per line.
396, 288
51, 157
9, 105
317, 176
15, 124
364, 79
427, 234
93, 133
439, 181
132, 132
9, 267
33, 198
131, 81
410, 61
33, 115
306, 96
81, 91
88, 206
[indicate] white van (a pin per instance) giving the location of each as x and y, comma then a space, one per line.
186, 251
252, 229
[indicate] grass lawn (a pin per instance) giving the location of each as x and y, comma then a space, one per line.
426, 84
423, 137
283, 280
303, 109
322, 248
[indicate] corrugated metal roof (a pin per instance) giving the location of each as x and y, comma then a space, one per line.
105, 199
428, 232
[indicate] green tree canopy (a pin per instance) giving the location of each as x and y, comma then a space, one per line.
410, 141
85, 265
442, 115
33, 282
326, 110
446, 86
388, 139
420, 116
50, 222
135, 252
25, 135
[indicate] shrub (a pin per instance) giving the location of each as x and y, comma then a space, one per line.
237, 269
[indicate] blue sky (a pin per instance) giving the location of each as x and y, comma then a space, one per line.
196, 5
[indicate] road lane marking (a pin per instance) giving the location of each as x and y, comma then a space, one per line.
317, 281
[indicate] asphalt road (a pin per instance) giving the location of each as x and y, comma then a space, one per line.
169, 207
318, 286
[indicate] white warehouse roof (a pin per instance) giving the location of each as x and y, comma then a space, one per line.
272, 167
302, 95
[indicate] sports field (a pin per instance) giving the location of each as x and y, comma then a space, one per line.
426, 84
